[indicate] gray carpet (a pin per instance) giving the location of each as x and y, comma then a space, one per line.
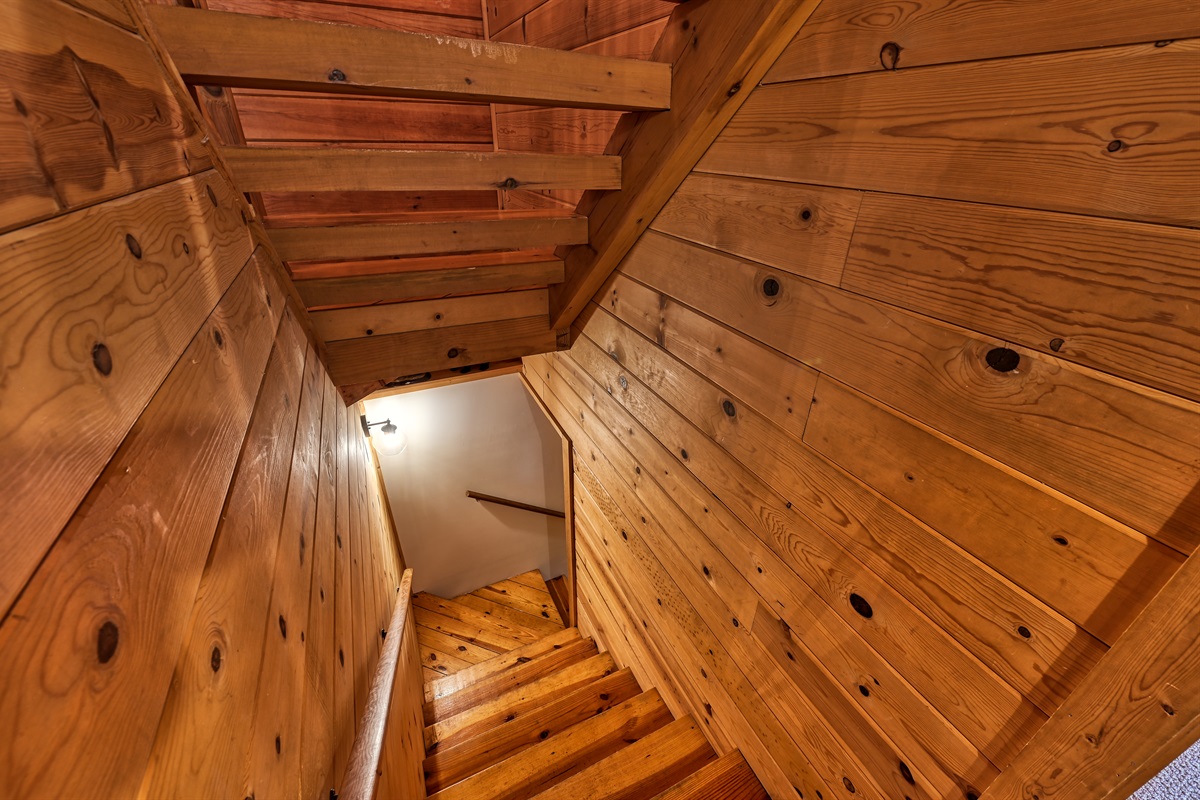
1179, 781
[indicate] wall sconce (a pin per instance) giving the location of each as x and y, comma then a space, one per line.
390, 441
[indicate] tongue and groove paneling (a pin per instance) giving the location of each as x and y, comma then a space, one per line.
179, 458
895, 402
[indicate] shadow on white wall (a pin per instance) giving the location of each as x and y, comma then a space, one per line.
488, 436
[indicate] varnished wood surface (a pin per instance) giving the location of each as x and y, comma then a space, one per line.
87, 116
102, 303
419, 238
867, 35
729, 777
262, 53
349, 323
658, 151
1053, 123
360, 781
118, 586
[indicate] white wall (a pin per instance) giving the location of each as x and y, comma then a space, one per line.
488, 436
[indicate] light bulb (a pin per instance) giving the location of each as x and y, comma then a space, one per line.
391, 441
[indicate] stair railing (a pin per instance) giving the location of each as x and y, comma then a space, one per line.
500, 501
363, 773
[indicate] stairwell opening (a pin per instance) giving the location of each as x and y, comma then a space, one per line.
490, 436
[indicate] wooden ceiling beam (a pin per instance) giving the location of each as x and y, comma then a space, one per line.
212, 47
720, 51
502, 232
419, 315
403, 384
359, 289
374, 358
325, 169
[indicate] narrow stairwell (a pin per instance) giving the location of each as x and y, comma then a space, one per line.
518, 706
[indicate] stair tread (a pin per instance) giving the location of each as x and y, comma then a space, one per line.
453, 646
538, 624
468, 624
538, 767
495, 664
655, 762
533, 579
513, 704
450, 765
729, 778
521, 597
441, 662
521, 674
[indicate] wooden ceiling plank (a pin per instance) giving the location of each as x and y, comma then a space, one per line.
428, 283
719, 52
261, 52
443, 312
386, 357
322, 169
416, 238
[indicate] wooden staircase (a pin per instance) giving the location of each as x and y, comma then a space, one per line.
518, 706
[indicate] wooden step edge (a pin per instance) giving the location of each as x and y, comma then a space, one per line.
539, 767
729, 777
476, 618
533, 579
495, 685
652, 763
519, 596
500, 663
448, 766
482, 631
522, 618
516, 703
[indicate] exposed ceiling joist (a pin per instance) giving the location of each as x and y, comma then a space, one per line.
326, 169
443, 312
363, 289
368, 358
720, 50
267, 53
498, 231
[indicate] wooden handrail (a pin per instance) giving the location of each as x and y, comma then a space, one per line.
487, 498
363, 769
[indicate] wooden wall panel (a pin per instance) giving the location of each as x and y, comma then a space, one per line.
1113, 131
193, 477
895, 405
85, 114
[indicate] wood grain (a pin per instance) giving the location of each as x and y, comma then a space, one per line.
929, 743
382, 15
349, 323
109, 605
657, 151
397, 354
1136, 462
202, 736
85, 114
273, 759
1098, 573
988, 612
804, 230
1116, 296
360, 781
1107, 132
356, 170
101, 304
381, 288
729, 777
280, 117
850, 36
1109, 737
257, 52
417, 238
